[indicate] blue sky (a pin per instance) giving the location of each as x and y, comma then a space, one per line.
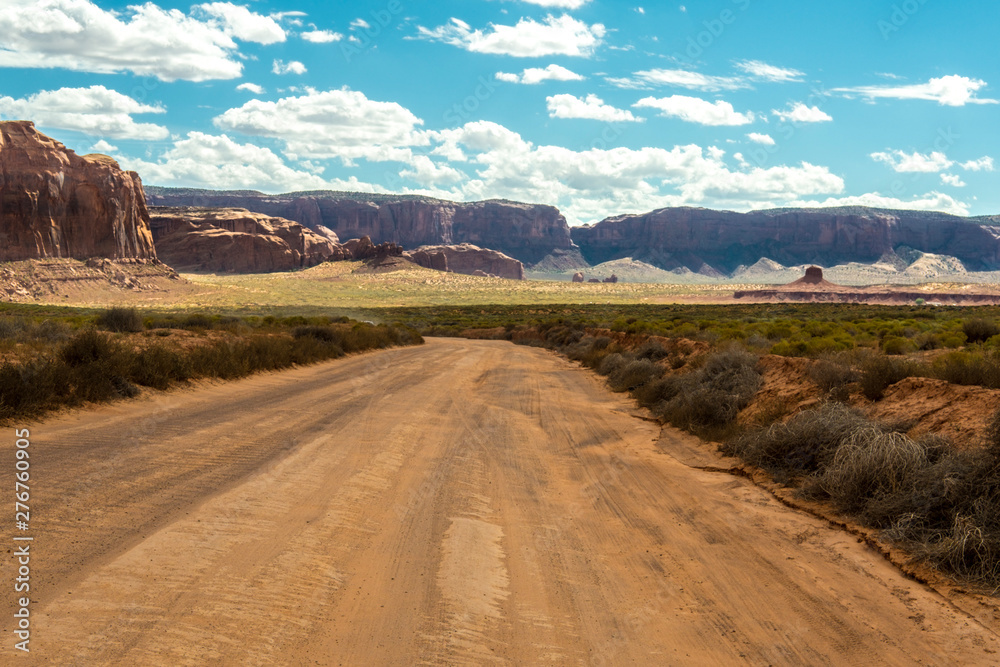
597, 107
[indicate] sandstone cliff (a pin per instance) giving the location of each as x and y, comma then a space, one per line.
231, 240
527, 232
57, 204
468, 259
721, 241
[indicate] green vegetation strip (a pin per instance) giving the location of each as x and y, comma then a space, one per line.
69, 358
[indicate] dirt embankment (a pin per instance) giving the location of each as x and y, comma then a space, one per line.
462, 503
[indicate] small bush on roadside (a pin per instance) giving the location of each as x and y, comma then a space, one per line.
871, 463
803, 444
633, 374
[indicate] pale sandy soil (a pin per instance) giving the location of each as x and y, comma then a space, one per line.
461, 503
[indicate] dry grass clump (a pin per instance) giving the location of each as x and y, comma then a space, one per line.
804, 444
940, 503
711, 396
869, 464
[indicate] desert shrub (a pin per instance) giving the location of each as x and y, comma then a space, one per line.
89, 346
711, 396
652, 350
121, 320
30, 388
197, 321
896, 345
804, 444
979, 330
658, 391
832, 377
879, 372
12, 327
612, 363
927, 341
159, 367
325, 334
968, 368
633, 374
871, 463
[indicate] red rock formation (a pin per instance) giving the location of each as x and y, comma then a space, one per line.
467, 258
363, 248
578, 277
699, 239
236, 241
57, 204
526, 231
431, 259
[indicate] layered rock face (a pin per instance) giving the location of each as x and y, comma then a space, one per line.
236, 241
57, 204
468, 259
526, 232
703, 239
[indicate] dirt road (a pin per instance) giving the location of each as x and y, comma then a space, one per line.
461, 503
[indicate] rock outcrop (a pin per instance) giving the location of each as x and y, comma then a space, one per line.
704, 240
528, 232
468, 259
57, 204
232, 240
363, 249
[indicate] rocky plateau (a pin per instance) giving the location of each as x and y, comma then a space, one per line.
55, 204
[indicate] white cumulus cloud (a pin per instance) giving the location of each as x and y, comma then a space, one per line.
952, 179
952, 90
243, 24
900, 161
697, 110
800, 113
254, 88
592, 107
217, 161
591, 184
342, 124
96, 111
293, 67
535, 75
758, 138
143, 39
984, 163
322, 36
931, 201
563, 35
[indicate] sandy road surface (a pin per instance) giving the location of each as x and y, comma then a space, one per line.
462, 503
